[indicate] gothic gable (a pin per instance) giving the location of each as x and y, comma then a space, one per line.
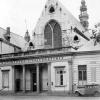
54, 10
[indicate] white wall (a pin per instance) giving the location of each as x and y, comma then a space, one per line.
5, 48
66, 76
92, 61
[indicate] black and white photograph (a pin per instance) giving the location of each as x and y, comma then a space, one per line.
49, 49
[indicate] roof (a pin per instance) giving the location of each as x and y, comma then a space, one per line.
80, 33
9, 43
89, 46
15, 38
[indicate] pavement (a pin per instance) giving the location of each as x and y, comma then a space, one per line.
46, 98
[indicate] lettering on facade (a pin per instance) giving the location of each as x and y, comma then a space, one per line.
37, 60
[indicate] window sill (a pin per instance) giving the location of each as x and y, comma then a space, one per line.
5, 86
60, 86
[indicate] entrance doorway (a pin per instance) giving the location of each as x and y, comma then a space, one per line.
44, 77
17, 86
34, 83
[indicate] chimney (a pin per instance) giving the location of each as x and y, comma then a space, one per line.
7, 34
8, 30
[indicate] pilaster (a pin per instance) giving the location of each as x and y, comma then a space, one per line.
49, 77
38, 80
24, 80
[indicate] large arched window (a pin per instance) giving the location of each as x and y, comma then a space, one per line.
53, 35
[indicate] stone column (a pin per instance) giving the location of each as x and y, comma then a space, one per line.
37, 78
24, 80
70, 76
49, 77
13, 78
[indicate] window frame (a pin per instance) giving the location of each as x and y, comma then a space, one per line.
52, 42
61, 81
82, 70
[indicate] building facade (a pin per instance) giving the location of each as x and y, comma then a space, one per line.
60, 55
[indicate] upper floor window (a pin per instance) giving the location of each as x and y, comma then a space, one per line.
53, 35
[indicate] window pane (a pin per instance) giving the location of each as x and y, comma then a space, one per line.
80, 75
61, 79
84, 75
48, 35
61, 72
57, 36
59, 76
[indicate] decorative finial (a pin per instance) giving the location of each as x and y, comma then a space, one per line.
83, 2
84, 16
27, 36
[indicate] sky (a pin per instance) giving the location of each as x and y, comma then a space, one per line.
16, 13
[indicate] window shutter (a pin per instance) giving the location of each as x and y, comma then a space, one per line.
5, 78
93, 74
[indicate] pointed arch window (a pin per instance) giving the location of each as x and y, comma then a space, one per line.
53, 35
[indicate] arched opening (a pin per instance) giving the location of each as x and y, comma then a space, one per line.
76, 38
31, 45
53, 35
51, 10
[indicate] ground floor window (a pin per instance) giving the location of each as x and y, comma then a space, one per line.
82, 74
5, 78
59, 76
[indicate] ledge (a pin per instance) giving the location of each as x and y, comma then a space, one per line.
60, 85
